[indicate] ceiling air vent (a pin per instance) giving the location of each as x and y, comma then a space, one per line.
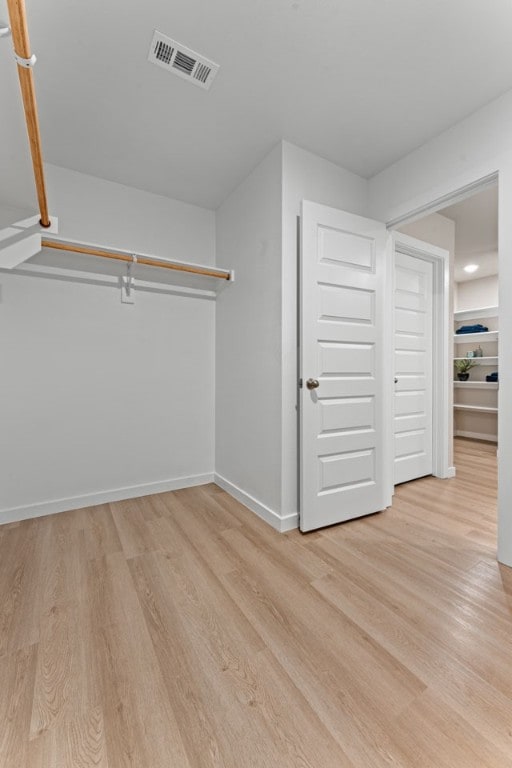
181, 61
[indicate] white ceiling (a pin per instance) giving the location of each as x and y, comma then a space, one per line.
360, 82
476, 234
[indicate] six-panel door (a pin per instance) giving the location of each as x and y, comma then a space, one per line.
342, 347
413, 367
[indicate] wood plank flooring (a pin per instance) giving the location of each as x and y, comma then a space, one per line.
179, 631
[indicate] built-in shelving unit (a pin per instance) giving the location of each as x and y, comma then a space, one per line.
476, 405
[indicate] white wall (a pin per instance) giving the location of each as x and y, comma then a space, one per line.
473, 149
470, 150
305, 177
98, 399
440, 231
256, 446
472, 294
248, 366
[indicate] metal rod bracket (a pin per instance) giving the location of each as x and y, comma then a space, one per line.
27, 63
128, 283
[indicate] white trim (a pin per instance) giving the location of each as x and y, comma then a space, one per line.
477, 436
103, 497
450, 472
443, 201
442, 346
281, 524
388, 372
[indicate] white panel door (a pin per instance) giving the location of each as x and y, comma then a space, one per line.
342, 358
413, 286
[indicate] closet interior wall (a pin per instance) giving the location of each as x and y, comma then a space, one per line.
104, 400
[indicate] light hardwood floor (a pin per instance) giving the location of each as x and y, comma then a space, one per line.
179, 631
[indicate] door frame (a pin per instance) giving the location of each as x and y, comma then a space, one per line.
442, 352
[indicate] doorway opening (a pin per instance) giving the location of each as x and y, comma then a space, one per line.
348, 438
468, 229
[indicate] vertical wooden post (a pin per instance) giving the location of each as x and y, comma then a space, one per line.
21, 42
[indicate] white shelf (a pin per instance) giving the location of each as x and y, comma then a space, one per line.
468, 338
480, 360
476, 384
479, 408
475, 314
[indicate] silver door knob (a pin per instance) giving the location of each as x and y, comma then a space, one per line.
312, 383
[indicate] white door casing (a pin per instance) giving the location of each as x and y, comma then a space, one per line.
442, 353
413, 363
343, 435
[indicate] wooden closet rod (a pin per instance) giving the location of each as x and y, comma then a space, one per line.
25, 61
146, 260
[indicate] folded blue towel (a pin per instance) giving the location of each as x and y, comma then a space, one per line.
478, 328
492, 376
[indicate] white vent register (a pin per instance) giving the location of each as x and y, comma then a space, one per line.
182, 61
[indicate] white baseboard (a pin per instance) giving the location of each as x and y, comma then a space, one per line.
451, 472
103, 497
281, 524
477, 436
26, 512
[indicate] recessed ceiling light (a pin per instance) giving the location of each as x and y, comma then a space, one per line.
471, 268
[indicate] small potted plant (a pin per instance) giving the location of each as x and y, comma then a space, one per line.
463, 368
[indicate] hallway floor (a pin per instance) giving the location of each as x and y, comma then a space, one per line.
180, 631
